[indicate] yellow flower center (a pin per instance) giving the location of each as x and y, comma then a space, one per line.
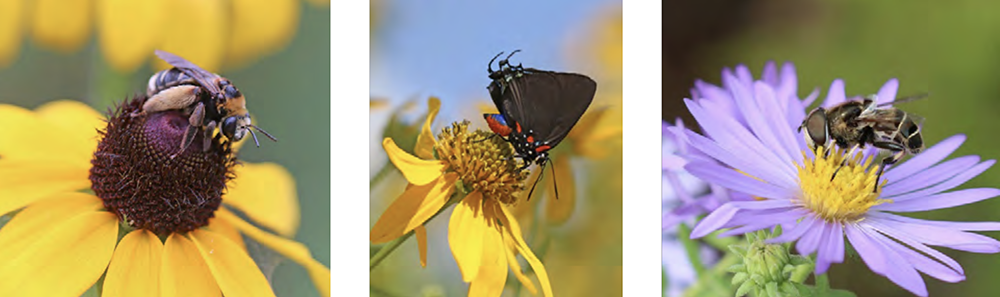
849, 195
482, 161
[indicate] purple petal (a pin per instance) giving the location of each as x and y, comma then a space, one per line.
925, 159
888, 91
743, 74
939, 201
917, 261
751, 166
726, 177
931, 176
869, 251
898, 271
888, 228
758, 124
965, 226
786, 139
947, 185
810, 241
831, 248
937, 235
798, 229
749, 220
724, 213
835, 95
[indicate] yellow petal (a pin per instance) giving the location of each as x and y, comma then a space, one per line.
184, 272
62, 25
515, 267
513, 229
11, 19
77, 122
418, 172
65, 261
42, 217
466, 235
228, 230
421, 233
23, 142
265, 192
260, 27
135, 266
23, 182
232, 267
493, 268
128, 31
526, 210
414, 207
425, 140
557, 211
295, 251
199, 36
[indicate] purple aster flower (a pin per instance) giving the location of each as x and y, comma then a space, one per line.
750, 136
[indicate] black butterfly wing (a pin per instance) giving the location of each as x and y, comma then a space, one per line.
547, 103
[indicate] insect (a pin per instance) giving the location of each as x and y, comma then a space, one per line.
210, 100
537, 108
856, 123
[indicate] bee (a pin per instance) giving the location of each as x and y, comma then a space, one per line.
210, 101
858, 122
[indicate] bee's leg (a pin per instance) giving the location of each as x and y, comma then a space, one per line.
843, 162
177, 97
195, 121
898, 151
207, 140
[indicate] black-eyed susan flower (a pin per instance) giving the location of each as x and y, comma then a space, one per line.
759, 153
154, 226
475, 173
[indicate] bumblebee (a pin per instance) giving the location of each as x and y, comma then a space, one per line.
856, 123
210, 101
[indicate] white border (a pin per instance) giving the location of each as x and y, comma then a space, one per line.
642, 100
349, 75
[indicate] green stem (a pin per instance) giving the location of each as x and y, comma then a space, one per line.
822, 284
381, 174
395, 243
691, 248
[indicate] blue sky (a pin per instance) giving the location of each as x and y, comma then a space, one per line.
441, 47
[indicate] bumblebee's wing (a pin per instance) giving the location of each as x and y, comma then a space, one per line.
906, 99
203, 77
548, 103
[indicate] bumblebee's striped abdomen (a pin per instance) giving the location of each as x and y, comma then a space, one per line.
166, 79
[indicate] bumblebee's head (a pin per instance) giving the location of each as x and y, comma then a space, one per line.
237, 126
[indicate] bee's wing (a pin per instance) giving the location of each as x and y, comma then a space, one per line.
904, 99
205, 79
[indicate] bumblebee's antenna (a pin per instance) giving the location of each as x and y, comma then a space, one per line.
265, 133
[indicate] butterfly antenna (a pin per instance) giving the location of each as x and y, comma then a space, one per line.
555, 185
540, 174
512, 54
489, 67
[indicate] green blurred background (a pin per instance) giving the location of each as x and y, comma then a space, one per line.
950, 49
288, 94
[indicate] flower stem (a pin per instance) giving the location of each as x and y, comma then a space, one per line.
691, 248
395, 243
381, 174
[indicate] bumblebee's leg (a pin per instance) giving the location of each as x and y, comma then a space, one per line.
207, 140
195, 121
898, 151
177, 97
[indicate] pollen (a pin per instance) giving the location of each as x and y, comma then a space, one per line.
483, 162
849, 195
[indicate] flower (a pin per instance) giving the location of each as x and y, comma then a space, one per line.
175, 244
210, 34
759, 153
483, 234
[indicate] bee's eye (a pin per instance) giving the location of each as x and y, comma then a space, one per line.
231, 91
229, 126
816, 127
